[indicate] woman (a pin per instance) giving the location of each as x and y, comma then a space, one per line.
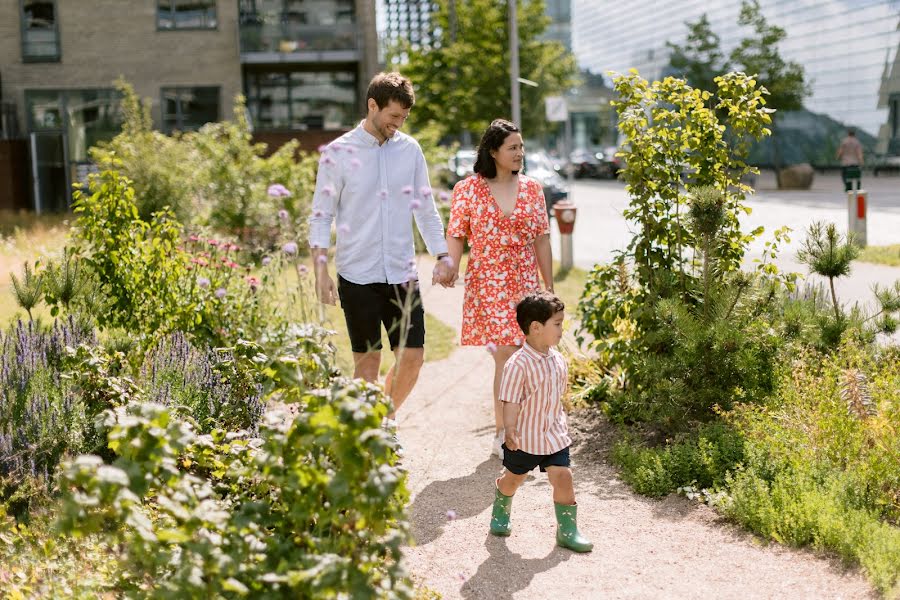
504, 217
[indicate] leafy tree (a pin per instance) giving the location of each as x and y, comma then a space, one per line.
701, 58
462, 78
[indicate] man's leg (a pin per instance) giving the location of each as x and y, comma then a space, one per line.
402, 377
366, 365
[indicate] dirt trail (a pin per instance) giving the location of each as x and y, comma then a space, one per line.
643, 548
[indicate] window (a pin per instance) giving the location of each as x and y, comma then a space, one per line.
186, 14
85, 116
302, 100
189, 108
40, 31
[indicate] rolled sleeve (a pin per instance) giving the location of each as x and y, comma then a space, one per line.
458, 226
428, 219
329, 185
512, 383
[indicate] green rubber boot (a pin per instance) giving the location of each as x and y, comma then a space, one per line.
567, 534
500, 515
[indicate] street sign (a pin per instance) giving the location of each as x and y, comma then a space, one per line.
557, 109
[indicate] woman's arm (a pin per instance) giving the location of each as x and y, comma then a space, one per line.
544, 256
455, 247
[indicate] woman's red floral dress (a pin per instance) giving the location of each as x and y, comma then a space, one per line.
502, 263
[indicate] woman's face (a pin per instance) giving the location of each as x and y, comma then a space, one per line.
508, 157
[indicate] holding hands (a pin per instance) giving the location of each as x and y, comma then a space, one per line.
445, 272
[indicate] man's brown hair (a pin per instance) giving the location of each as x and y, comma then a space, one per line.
385, 87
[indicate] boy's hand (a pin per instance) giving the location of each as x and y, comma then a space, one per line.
512, 440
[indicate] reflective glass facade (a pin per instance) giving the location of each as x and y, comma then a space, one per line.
302, 99
845, 46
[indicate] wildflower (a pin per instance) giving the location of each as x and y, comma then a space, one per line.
327, 160
383, 194
355, 163
203, 282
232, 265
407, 189
451, 515
415, 204
199, 261
193, 238
303, 269
283, 214
343, 228
444, 196
253, 282
317, 213
329, 190
321, 259
266, 260
290, 248
213, 242
491, 347
425, 191
322, 148
276, 190
220, 293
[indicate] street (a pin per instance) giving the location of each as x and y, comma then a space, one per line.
600, 228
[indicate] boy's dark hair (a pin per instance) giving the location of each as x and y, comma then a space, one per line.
385, 87
537, 306
491, 139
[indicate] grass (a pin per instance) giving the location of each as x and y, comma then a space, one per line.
882, 255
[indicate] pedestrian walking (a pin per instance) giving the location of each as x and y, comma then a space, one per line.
503, 216
372, 182
534, 381
850, 153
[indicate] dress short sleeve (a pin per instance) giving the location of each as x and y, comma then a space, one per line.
542, 222
459, 223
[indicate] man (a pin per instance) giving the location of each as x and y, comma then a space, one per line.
373, 181
850, 153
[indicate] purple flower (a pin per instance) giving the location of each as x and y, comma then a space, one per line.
407, 189
317, 213
322, 148
415, 204
266, 260
283, 214
355, 163
444, 196
329, 190
303, 269
276, 190
451, 515
383, 194
220, 293
321, 259
343, 228
425, 191
327, 160
491, 347
290, 248
203, 282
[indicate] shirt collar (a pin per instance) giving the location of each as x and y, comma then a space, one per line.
530, 350
369, 139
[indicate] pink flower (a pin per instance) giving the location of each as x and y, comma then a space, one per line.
321, 259
317, 213
193, 238
266, 260
213, 242
444, 196
383, 194
451, 515
303, 269
407, 189
327, 160
415, 204
329, 190
253, 282
491, 347
290, 248
343, 228
355, 163
322, 148
276, 190
425, 191
283, 214
220, 293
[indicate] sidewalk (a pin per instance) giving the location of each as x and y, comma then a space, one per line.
643, 548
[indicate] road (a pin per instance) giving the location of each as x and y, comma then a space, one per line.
601, 229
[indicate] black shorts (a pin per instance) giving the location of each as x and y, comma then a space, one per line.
519, 462
369, 306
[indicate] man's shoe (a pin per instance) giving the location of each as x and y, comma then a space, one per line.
567, 534
500, 513
497, 446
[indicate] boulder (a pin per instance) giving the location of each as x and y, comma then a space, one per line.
796, 177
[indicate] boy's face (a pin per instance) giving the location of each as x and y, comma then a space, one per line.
549, 333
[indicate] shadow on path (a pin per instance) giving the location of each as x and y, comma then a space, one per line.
504, 573
467, 496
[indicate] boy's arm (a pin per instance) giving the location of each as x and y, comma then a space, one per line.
512, 384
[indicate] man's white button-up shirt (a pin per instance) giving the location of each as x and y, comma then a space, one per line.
372, 192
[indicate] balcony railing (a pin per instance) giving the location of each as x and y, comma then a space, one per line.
287, 38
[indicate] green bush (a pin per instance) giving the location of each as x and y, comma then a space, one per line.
313, 508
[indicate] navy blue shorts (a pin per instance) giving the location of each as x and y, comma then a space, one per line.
368, 307
519, 462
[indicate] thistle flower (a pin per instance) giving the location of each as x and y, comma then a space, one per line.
321, 259
276, 190
329, 190
425, 191
444, 196
415, 204
383, 194
322, 149
290, 248
407, 189
266, 260
303, 269
451, 515
283, 214
343, 228
355, 163
220, 293
203, 282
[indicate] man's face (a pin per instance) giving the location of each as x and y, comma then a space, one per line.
389, 119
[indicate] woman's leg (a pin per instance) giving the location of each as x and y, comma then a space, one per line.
500, 357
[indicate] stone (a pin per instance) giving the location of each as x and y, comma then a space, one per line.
796, 177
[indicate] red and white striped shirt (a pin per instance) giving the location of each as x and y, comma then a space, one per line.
537, 381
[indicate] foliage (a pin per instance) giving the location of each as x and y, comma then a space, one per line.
883, 255
312, 508
27, 291
458, 75
700, 59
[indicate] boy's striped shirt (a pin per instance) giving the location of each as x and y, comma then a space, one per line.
537, 381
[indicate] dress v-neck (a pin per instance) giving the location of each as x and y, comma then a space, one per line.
497, 204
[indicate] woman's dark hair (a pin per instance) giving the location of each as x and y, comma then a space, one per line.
492, 139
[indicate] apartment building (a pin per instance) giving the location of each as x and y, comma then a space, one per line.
302, 65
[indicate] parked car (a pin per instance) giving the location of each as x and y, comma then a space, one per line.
542, 168
461, 165
597, 164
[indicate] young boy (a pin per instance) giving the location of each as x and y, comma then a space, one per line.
534, 381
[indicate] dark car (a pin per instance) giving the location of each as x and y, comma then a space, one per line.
541, 167
596, 164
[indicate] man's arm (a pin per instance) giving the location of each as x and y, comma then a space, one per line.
329, 186
326, 291
428, 220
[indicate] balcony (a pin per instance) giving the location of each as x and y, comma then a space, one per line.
267, 43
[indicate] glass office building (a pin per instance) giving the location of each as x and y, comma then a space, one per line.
847, 47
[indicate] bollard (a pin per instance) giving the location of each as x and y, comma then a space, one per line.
564, 211
856, 211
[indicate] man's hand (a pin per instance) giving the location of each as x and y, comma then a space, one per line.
326, 291
445, 272
512, 440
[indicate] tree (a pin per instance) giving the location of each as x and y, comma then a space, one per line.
701, 58
462, 77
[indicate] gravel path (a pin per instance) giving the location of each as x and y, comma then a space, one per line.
644, 548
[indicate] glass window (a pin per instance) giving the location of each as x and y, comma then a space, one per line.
85, 116
186, 14
302, 100
189, 108
40, 31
